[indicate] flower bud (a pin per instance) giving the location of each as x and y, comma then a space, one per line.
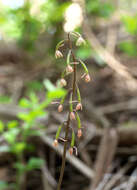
58, 54
63, 82
79, 134
60, 108
79, 106
87, 78
72, 116
80, 41
69, 69
55, 143
71, 150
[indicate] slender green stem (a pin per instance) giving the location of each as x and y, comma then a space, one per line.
68, 120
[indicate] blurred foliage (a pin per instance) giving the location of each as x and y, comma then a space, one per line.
5, 99
25, 27
130, 24
17, 132
95, 7
84, 52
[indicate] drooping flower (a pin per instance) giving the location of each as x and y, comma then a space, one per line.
79, 134
72, 116
63, 82
71, 150
58, 54
87, 78
80, 41
78, 106
69, 69
55, 143
60, 108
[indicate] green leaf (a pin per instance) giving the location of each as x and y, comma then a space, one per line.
84, 52
33, 98
25, 103
18, 147
54, 92
1, 126
104, 9
130, 24
11, 135
34, 85
34, 163
20, 167
3, 185
12, 124
5, 99
24, 116
58, 93
49, 86
129, 48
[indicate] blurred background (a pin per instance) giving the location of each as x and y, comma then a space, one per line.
107, 152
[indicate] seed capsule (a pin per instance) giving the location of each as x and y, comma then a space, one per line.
71, 150
79, 134
78, 106
60, 108
55, 143
72, 116
87, 78
69, 69
58, 54
80, 41
63, 82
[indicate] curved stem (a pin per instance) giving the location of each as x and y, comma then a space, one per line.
68, 120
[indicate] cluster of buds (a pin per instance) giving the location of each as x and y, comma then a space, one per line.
73, 113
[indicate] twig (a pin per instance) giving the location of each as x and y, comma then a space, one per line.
84, 169
128, 105
107, 147
117, 176
107, 57
132, 180
46, 174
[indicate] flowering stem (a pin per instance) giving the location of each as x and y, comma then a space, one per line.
68, 120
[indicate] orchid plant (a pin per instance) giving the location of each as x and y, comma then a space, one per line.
74, 92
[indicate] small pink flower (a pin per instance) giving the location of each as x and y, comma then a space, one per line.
79, 134
69, 69
87, 78
58, 54
63, 82
79, 106
60, 108
55, 143
72, 116
71, 151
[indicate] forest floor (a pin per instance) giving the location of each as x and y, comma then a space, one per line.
107, 152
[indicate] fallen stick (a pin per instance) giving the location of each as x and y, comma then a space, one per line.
71, 159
